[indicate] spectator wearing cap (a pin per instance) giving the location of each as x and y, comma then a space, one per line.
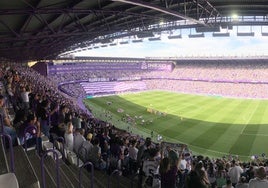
89, 137
85, 150
260, 181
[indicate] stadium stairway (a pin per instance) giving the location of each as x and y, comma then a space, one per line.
50, 166
28, 172
24, 170
102, 179
35, 161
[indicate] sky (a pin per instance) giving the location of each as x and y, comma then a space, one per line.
190, 47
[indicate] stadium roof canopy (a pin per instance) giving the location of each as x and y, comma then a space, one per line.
42, 29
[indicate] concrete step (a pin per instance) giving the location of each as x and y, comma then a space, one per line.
36, 163
24, 170
69, 174
101, 179
86, 180
116, 180
4, 167
51, 168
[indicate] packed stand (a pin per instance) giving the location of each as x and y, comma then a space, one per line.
37, 103
233, 79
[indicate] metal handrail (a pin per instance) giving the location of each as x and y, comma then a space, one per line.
12, 166
91, 176
43, 169
109, 177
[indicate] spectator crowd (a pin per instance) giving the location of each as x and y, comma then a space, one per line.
29, 99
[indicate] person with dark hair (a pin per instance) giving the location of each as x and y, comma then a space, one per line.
150, 167
31, 135
243, 183
142, 153
164, 166
212, 175
197, 176
228, 184
221, 173
62, 114
35, 102
133, 150
260, 180
95, 156
19, 119
44, 115
169, 167
76, 120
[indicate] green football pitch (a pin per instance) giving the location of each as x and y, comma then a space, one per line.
210, 125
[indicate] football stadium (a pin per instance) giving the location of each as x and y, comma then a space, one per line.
193, 120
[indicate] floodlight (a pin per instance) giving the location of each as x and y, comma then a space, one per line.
235, 17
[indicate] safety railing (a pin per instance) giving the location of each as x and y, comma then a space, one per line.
91, 175
12, 166
115, 172
56, 157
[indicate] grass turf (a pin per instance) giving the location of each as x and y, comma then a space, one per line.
209, 125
